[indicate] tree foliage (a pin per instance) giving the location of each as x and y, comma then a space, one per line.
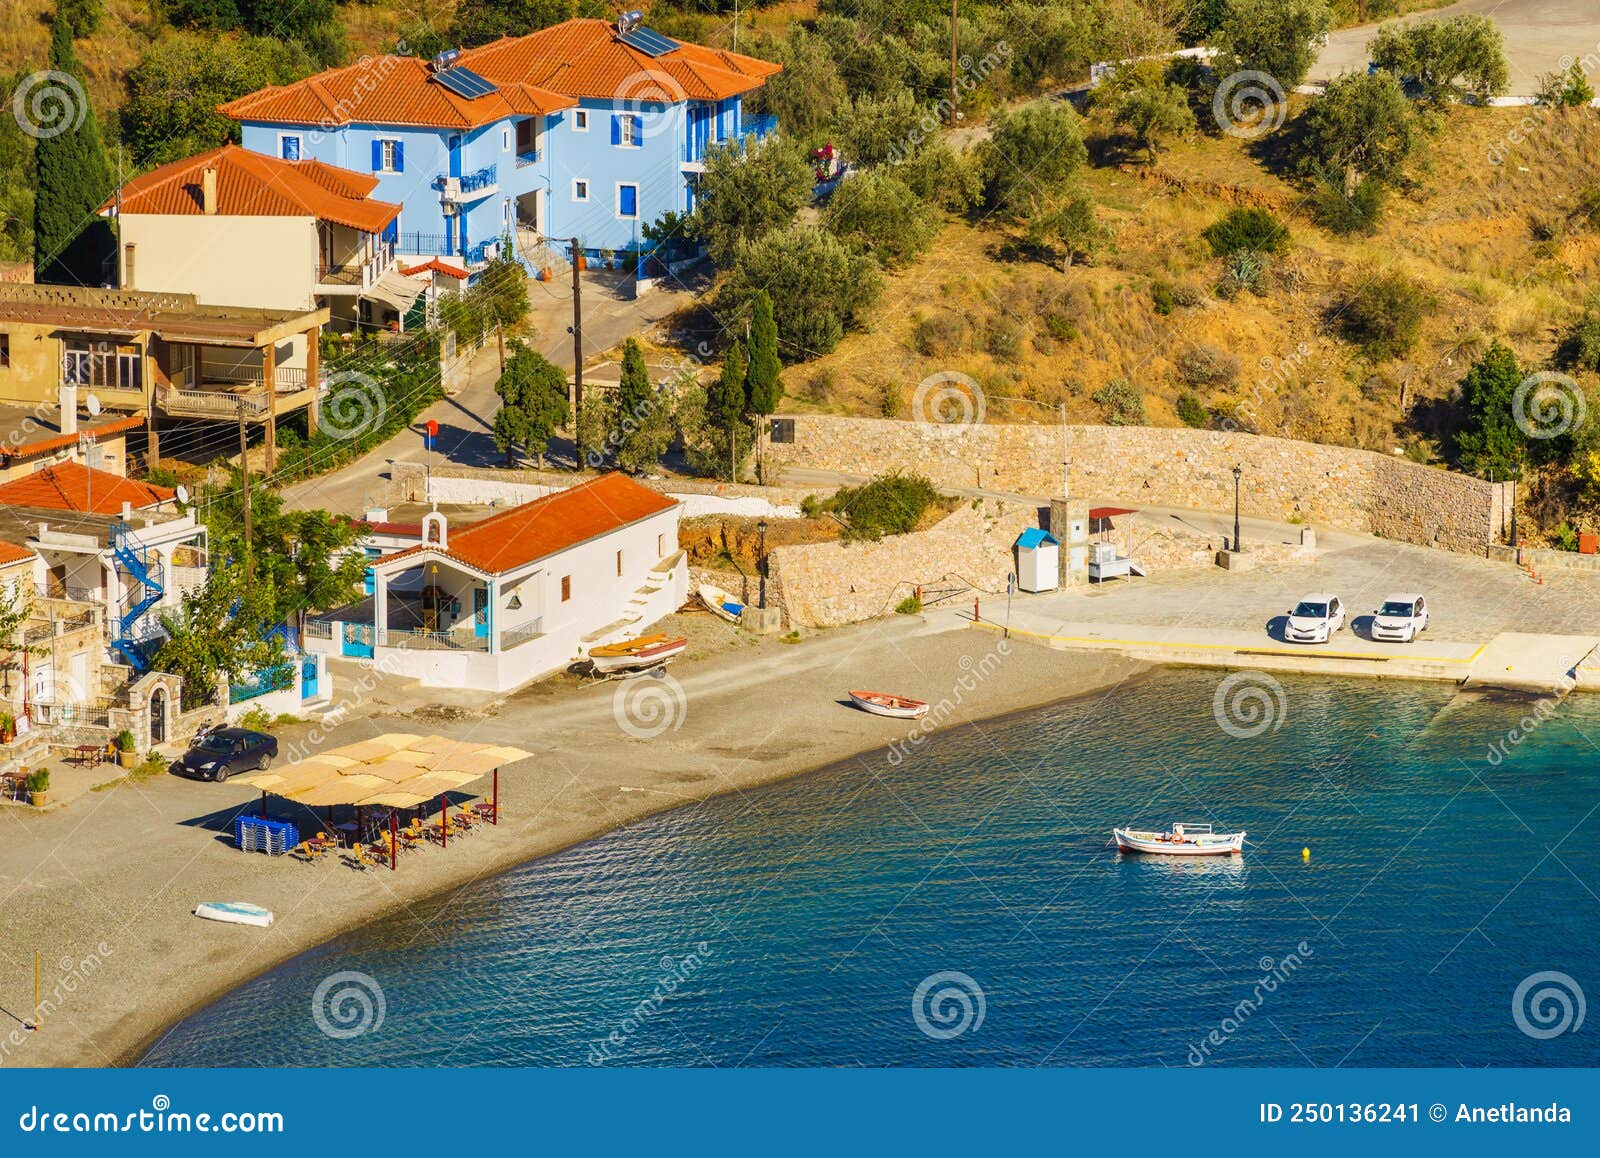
1447, 59
743, 195
808, 93
1033, 154
1070, 226
1489, 443
876, 129
876, 213
533, 403
1275, 37
480, 21
818, 285
218, 632
74, 180
1362, 126
765, 376
1383, 314
1153, 114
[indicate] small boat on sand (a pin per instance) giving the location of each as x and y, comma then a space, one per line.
635, 654
885, 704
719, 602
234, 913
1182, 840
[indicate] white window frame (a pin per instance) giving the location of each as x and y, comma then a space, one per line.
300, 147
584, 196
617, 205
580, 120
505, 140
625, 130
386, 145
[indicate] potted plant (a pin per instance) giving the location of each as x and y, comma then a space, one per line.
125, 755
38, 783
8, 728
607, 259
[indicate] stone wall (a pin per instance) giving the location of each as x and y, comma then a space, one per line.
831, 584
1156, 466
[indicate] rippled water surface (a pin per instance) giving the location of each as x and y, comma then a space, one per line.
794, 925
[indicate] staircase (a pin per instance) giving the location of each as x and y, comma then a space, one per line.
145, 569
536, 252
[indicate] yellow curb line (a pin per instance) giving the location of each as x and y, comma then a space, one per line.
1231, 648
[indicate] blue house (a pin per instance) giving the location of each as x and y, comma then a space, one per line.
587, 129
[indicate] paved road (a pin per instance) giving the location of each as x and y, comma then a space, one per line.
1541, 36
466, 419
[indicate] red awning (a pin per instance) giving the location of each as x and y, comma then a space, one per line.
1110, 512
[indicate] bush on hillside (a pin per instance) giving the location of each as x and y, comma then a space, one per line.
1034, 152
1383, 314
1357, 211
1121, 403
1250, 229
745, 194
940, 176
1203, 365
819, 288
876, 213
1447, 59
1192, 413
874, 130
1363, 125
891, 504
1570, 89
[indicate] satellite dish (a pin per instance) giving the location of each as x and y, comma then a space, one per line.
183, 495
93, 405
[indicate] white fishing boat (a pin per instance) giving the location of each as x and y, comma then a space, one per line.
637, 654
1181, 840
234, 913
719, 602
887, 704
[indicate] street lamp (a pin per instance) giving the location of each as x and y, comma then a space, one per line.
761, 569
1237, 545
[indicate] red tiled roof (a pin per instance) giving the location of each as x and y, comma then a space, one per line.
412, 529
255, 185
545, 526
436, 265
71, 486
11, 553
584, 58
23, 448
388, 90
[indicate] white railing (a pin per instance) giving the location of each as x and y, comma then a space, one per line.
522, 634
319, 629
432, 640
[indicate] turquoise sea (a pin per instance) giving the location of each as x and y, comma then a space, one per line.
964, 907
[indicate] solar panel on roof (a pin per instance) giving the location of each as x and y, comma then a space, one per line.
648, 42
464, 83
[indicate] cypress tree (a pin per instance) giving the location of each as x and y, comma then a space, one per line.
634, 393
729, 403
766, 384
74, 181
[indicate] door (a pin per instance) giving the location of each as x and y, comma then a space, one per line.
357, 640
308, 678
480, 613
455, 155
158, 717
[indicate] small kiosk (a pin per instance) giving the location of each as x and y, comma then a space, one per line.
1038, 560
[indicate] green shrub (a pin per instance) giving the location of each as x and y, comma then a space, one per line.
891, 504
1003, 338
910, 605
819, 288
1243, 270
1192, 413
940, 334
878, 214
1339, 212
1383, 314
1161, 295
1203, 364
1061, 327
1121, 403
38, 780
125, 741
1250, 230
1570, 89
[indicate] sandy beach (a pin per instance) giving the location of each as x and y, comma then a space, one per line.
104, 890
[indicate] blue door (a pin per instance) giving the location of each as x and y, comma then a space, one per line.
357, 640
455, 155
480, 613
308, 678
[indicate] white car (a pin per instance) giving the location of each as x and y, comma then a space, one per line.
1314, 619
1402, 618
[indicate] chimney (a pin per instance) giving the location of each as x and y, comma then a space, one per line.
127, 512
69, 408
208, 190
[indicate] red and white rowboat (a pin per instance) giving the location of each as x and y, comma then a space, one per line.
1183, 840
885, 704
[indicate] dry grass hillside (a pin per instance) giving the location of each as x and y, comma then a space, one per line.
1495, 244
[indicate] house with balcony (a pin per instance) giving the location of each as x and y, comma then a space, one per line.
588, 129
522, 593
73, 350
237, 228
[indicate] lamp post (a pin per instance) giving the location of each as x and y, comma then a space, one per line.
1237, 545
761, 569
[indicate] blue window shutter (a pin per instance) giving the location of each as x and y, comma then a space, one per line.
399, 156
628, 200
616, 130
638, 130
377, 156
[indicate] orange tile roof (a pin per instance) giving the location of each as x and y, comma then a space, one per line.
27, 436
388, 90
545, 526
254, 185
584, 58
11, 553
435, 265
71, 486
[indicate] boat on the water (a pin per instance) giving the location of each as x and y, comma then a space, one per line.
636, 654
719, 602
886, 704
234, 913
1182, 840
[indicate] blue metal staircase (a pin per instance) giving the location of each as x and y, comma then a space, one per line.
145, 568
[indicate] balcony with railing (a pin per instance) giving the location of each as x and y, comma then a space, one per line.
758, 126
528, 156
522, 633
357, 274
229, 391
418, 640
469, 186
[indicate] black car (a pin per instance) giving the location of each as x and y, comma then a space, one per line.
219, 754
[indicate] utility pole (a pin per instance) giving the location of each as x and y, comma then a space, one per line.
954, 51
244, 468
577, 354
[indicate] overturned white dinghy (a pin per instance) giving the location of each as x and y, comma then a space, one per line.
234, 913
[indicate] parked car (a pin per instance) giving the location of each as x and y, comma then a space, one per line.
1314, 619
218, 754
1401, 618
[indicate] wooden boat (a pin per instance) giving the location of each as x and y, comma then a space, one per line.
633, 654
885, 704
1182, 840
234, 913
719, 602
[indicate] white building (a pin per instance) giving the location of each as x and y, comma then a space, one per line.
521, 594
